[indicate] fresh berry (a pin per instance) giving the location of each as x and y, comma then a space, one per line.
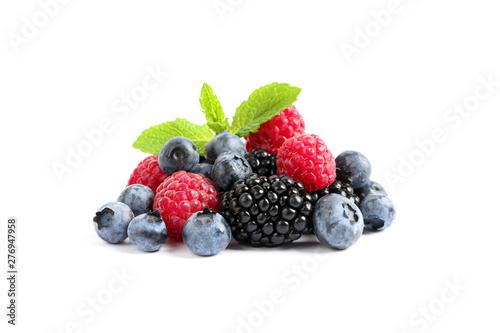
204, 169
354, 167
180, 196
262, 162
112, 220
223, 142
273, 133
344, 188
148, 173
306, 158
138, 197
378, 211
267, 211
337, 221
147, 231
178, 153
227, 169
370, 188
248, 145
206, 233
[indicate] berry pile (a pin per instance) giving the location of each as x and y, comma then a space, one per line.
205, 185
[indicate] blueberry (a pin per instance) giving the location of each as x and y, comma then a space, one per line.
337, 221
178, 154
228, 168
206, 233
112, 220
370, 188
138, 197
148, 231
223, 142
204, 169
378, 211
354, 167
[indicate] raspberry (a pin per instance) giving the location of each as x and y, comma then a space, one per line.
180, 196
274, 132
248, 145
267, 211
148, 173
306, 158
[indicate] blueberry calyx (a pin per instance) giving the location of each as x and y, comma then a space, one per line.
350, 213
156, 214
206, 211
98, 218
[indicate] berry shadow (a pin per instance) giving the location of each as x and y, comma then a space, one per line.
310, 244
237, 246
124, 247
370, 232
307, 243
177, 248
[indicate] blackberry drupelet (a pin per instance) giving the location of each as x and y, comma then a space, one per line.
262, 162
344, 188
267, 211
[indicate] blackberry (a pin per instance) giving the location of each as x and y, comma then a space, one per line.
262, 162
344, 188
267, 211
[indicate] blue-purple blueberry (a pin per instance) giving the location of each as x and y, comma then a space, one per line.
206, 233
337, 221
223, 142
138, 197
354, 167
148, 231
178, 153
370, 188
204, 169
111, 221
228, 168
378, 211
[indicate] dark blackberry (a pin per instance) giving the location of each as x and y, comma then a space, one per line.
267, 211
262, 162
344, 188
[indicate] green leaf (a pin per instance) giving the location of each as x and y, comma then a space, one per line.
152, 140
216, 119
262, 105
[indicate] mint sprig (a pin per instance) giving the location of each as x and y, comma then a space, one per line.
262, 105
216, 119
152, 140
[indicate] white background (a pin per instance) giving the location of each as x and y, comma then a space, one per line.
65, 79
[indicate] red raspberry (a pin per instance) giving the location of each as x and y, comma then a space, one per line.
248, 145
274, 132
306, 158
148, 173
180, 196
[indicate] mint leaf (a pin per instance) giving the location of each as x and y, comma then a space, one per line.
262, 105
152, 140
216, 119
